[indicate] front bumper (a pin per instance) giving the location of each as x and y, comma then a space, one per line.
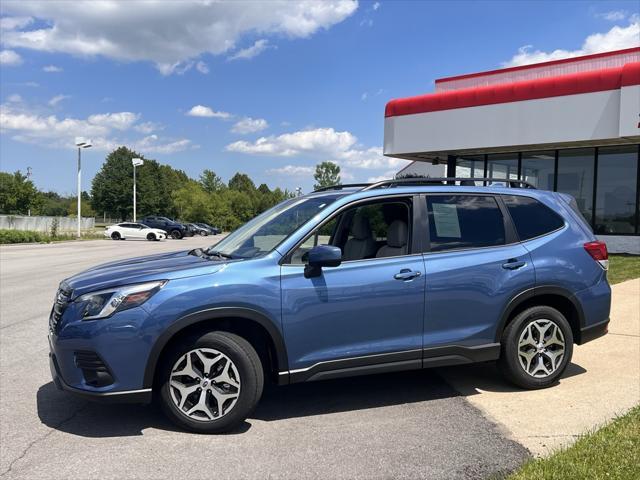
129, 396
101, 359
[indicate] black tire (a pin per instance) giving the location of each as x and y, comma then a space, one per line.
509, 362
176, 234
249, 367
203, 233
116, 236
151, 237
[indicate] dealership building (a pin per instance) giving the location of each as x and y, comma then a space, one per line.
570, 125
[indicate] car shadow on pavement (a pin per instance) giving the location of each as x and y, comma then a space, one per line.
61, 411
473, 379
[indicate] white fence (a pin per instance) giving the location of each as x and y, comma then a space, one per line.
43, 224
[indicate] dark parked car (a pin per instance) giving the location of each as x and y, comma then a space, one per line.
212, 230
198, 230
174, 229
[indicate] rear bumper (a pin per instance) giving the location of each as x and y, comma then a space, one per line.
592, 332
130, 396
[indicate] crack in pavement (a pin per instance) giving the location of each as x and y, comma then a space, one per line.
43, 437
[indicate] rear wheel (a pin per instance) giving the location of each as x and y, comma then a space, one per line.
203, 233
211, 383
536, 348
176, 234
151, 237
116, 236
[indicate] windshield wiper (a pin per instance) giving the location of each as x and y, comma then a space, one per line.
214, 253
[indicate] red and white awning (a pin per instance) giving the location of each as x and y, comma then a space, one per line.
589, 105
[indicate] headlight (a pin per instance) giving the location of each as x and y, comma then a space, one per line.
105, 303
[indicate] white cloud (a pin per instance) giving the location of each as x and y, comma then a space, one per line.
15, 98
250, 125
364, 96
9, 58
615, 39
613, 16
203, 111
320, 144
57, 99
293, 171
14, 23
147, 127
202, 67
253, 51
51, 69
117, 121
169, 34
51, 131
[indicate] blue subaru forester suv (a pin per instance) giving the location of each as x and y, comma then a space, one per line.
349, 280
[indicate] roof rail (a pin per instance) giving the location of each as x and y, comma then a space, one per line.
341, 186
463, 181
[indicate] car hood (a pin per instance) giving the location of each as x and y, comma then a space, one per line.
165, 266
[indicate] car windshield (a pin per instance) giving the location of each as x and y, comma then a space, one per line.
262, 234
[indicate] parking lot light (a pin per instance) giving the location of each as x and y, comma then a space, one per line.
136, 163
81, 143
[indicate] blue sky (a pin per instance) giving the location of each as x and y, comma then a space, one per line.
269, 89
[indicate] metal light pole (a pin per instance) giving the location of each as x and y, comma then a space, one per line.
136, 163
29, 173
81, 143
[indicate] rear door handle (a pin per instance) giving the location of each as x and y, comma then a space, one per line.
514, 264
406, 274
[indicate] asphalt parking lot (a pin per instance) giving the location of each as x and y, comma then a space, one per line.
407, 425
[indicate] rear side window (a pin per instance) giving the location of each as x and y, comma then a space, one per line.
530, 217
464, 221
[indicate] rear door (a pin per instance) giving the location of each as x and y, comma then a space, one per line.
474, 267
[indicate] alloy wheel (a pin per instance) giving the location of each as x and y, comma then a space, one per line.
204, 384
541, 348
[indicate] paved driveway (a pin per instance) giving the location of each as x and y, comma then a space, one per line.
407, 425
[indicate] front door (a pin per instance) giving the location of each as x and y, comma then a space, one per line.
369, 310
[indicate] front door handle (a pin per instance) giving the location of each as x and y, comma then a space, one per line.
514, 264
406, 274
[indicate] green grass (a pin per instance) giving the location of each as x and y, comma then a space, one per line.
27, 236
623, 267
613, 452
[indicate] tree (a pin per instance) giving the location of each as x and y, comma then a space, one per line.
192, 202
18, 194
327, 174
112, 187
242, 183
211, 182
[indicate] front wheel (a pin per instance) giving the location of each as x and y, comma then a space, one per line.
151, 237
176, 234
211, 383
116, 236
203, 233
536, 348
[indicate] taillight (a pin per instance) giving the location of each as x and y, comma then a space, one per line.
598, 251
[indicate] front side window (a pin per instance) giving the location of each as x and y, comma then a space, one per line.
262, 234
530, 217
464, 221
372, 230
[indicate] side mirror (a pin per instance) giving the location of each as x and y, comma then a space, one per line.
321, 256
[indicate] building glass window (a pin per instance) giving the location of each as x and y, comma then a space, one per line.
470, 166
538, 168
616, 190
503, 165
575, 177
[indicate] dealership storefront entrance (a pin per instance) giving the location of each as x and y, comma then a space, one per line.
571, 126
